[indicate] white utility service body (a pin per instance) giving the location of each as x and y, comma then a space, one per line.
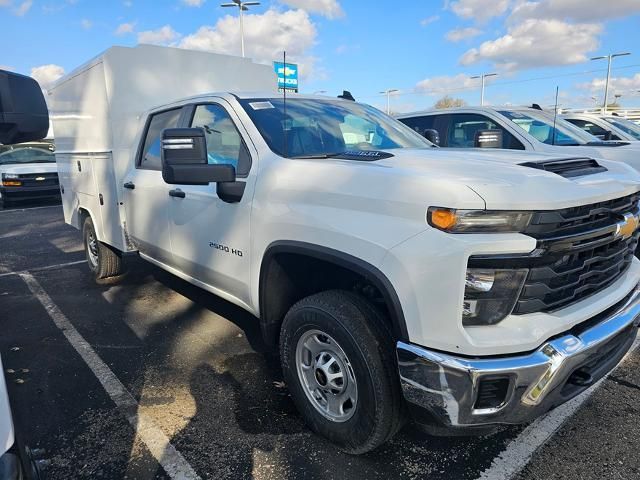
337, 196
506, 118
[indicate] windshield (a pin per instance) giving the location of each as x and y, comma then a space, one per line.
627, 126
323, 128
27, 155
540, 126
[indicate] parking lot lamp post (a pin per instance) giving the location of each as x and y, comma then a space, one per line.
606, 83
483, 76
242, 7
388, 94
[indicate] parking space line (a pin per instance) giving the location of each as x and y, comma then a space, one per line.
151, 435
29, 208
40, 269
520, 450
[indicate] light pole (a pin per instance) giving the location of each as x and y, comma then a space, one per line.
606, 85
483, 76
242, 7
388, 94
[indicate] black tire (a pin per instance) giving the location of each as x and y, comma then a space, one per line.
103, 261
362, 333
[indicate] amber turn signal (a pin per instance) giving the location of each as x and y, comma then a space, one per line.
11, 183
443, 218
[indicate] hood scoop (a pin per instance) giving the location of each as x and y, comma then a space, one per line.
568, 168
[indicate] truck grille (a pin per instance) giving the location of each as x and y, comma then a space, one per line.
39, 179
579, 254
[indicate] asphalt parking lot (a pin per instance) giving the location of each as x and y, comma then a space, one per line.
152, 378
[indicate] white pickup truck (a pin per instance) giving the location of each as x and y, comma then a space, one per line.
471, 288
517, 128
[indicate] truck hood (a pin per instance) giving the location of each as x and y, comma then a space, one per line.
628, 153
498, 177
23, 168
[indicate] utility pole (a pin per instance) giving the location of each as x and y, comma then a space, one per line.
609, 57
483, 76
388, 94
242, 7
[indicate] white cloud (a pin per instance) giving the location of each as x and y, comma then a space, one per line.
429, 20
446, 83
45, 75
125, 28
86, 24
459, 34
616, 85
267, 35
161, 36
538, 43
6, 67
18, 9
327, 8
576, 10
479, 10
193, 3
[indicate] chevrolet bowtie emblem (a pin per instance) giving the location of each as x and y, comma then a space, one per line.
627, 227
39, 179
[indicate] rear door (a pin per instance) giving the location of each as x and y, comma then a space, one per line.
146, 195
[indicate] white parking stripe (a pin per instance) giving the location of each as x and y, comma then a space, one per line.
40, 269
520, 450
29, 208
156, 441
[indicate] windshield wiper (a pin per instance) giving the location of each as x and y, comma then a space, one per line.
318, 155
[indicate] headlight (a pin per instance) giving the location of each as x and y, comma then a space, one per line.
10, 180
490, 295
477, 221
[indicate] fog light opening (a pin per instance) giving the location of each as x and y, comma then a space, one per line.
492, 393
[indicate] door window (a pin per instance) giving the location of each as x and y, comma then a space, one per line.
463, 128
151, 151
224, 143
420, 124
592, 128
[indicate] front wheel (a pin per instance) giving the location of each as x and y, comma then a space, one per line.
103, 261
338, 360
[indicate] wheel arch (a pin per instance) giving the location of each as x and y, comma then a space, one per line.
273, 308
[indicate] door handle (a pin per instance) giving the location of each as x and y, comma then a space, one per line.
129, 185
177, 193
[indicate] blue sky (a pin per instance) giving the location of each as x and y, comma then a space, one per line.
425, 48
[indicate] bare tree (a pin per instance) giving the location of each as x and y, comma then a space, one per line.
448, 102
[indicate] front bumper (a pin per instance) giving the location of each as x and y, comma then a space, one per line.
449, 387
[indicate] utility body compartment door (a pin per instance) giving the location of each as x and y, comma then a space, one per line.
211, 238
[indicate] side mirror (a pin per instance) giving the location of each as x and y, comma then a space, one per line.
608, 135
184, 159
488, 139
432, 135
23, 112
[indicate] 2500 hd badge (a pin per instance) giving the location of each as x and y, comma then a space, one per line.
225, 249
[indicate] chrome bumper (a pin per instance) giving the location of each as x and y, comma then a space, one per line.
448, 386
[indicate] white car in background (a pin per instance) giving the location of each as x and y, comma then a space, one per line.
28, 172
605, 127
516, 128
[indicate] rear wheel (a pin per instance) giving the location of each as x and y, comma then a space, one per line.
338, 360
103, 260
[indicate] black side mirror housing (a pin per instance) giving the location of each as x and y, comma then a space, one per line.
608, 135
432, 135
184, 159
24, 116
488, 139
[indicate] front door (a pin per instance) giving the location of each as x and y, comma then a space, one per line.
211, 238
146, 195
